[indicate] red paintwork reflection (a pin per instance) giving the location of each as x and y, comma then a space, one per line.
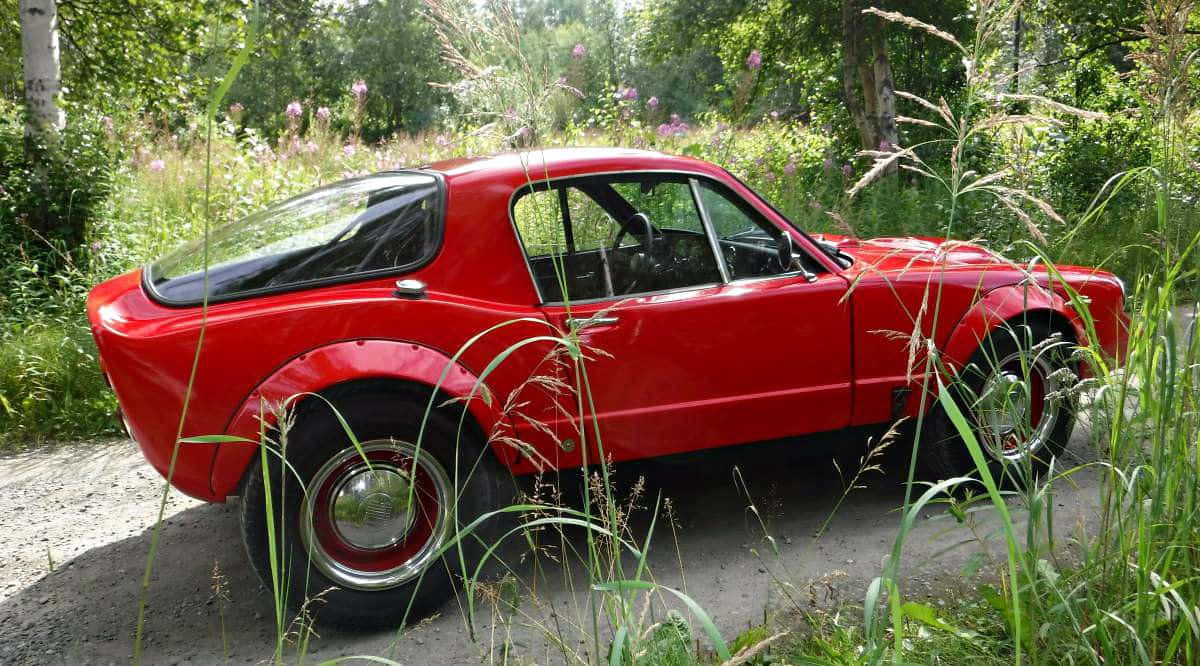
745, 361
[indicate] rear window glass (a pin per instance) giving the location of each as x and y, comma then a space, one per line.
361, 227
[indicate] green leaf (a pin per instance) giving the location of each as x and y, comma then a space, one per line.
216, 439
925, 614
710, 628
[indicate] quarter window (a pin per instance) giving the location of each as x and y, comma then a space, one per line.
379, 224
612, 236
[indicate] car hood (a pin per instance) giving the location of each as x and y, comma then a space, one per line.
898, 253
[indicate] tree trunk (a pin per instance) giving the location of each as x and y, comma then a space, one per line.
39, 48
867, 77
884, 90
852, 71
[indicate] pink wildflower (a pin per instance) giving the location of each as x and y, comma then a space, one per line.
789, 169
157, 166
579, 51
359, 90
652, 103
294, 109
754, 60
323, 114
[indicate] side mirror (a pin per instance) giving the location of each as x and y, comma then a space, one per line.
787, 258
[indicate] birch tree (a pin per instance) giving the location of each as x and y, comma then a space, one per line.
867, 77
39, 51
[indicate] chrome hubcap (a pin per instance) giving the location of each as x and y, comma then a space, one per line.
1016, 414
371, 509
376, 525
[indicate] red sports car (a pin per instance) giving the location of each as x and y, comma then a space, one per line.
719, 320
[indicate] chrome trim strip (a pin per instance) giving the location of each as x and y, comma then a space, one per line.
631, 297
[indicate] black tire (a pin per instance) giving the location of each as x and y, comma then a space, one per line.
316, 439
1039, 351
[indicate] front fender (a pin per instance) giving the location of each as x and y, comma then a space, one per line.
997, 307
319, 369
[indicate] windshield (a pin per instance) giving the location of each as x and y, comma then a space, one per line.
383, 223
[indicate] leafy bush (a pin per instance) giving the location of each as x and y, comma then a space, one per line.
51, 386
51, 187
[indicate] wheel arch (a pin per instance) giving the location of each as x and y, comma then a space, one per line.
1008, 306
396, 366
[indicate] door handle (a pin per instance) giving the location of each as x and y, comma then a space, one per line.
580, 323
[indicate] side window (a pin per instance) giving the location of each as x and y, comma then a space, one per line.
614, 236
748, 242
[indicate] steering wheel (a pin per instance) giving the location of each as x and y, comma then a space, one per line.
786, 252
636, 219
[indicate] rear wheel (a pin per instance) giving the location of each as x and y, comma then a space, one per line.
366, 536
1013, 393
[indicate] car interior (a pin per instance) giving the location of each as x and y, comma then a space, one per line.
648, 251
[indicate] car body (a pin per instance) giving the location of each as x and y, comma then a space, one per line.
705, 341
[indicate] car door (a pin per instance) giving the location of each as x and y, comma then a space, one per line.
696, 332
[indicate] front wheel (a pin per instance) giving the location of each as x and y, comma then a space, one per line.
365, 536
1014, 393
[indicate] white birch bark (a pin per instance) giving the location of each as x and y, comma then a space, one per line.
39, 49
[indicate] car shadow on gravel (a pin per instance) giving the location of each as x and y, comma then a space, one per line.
86, 610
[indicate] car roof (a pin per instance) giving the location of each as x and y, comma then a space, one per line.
542, 164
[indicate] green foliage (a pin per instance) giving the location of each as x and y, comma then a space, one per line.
50, 385
50, 188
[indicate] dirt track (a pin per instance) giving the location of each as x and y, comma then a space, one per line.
89, 509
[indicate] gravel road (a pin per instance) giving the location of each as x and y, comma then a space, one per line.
77, 523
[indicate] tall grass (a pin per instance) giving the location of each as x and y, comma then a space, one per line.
1131, 594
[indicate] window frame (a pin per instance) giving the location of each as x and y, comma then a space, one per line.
723, 190
436, 243
693, 178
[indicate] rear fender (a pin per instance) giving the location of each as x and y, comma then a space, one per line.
325, 367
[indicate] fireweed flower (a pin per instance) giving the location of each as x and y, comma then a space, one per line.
293, 109
323, 114
631, 94
676, 127
789, 169
359, 90
770, 176
754, 60
828, 163
442, 141
348, 150
579, 51
652, 103
157, 166
847, 170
